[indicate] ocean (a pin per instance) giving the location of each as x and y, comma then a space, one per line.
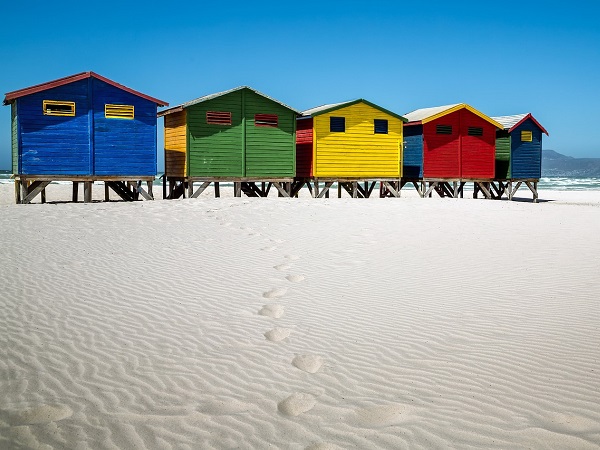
546, 183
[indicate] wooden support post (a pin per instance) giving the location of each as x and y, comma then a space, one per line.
190, 189
164, 187
391, 189
237, 189
454, 189
106, 192
283, 191
339, 190
75, 191
432, 186
316, 190
217, 189
171, 188
87, 191
17, 191
149, 185
24, 190
325, 190
43, 195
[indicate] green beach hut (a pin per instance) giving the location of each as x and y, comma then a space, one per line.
240, 135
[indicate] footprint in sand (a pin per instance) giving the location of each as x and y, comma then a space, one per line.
278, 334
275, 293
308, 363
292, 257
274, 311
295, 278
379, 416
39, 414
282, 267
296, 404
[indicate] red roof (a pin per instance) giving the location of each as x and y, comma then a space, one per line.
10, 96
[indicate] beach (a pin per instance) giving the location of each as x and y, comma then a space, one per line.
303, 323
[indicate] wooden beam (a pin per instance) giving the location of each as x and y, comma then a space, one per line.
328, 185
533, 189
75, 191
200, 190
33, 190
237, 189
17, 191
483, 188
140, 190
106, 192
432, 186
24, 190
217, 189
281, 189
391, 189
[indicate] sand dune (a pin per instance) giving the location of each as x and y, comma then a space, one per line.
301, 323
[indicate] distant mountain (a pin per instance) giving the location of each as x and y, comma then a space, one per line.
555, 164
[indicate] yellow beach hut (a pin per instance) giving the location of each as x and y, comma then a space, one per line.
348, 143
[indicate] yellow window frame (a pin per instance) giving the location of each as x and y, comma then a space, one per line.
526, 136
48, 110
113, 111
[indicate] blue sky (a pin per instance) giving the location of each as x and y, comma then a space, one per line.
502, 58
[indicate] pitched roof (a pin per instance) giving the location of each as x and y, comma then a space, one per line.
425, 115
512, 122
11, 96
333, 106
219, 94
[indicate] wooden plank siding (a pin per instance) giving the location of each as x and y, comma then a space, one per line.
502, 155
526, 157
14, 137
413, 152
270, 151
55, 145
357, 152
123, 146
304, 147
441, 152
176, 144
216, 150
477, 156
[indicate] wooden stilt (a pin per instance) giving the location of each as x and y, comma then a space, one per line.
24, 190
87, 191
106, 192
190, 189
149, 185
237, 189
217, 189
75, 191
201, 189
17, 191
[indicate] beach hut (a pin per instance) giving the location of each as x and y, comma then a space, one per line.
450, 144
240, 135
348, 143
83, 128
518, 154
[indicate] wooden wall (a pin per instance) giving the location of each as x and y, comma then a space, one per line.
176, 144
14, 137
526, 157
358, 152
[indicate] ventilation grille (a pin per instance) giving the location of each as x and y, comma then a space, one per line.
218, 117
266, 120
443, 129
381, 126
526, 136
337, 124
56, 108
475, 131
119, 111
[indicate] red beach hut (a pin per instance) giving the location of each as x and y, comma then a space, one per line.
457, 142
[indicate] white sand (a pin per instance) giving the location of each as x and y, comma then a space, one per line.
300, 323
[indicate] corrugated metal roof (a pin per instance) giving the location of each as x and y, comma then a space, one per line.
423, 113
333, 106
10, 96
509, 121
310, 112
219, 94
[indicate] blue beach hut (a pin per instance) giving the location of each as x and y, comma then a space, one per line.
518, 154
83, 128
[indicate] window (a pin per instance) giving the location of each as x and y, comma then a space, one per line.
475, 131
526, 136
55, 108
381, 126
218, 117
119, 111
337, 124
443, 129
265, 120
